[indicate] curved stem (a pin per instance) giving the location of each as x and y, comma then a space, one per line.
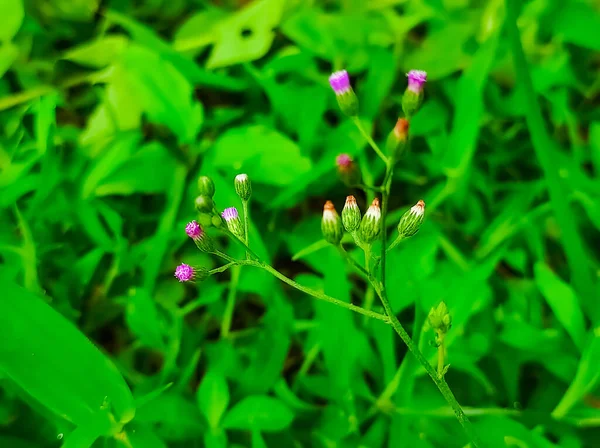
353, 262
441, 356
369, 139
246, 222
230, 304
316, 294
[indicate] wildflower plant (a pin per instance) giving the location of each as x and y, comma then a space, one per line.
368, 232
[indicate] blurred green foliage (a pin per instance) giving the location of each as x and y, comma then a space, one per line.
110, 110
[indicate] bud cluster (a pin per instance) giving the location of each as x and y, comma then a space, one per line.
439, 320
209, 216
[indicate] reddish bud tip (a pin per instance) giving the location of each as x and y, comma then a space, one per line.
401, 129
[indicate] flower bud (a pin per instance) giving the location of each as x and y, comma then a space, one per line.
410, 222
370, 226
346, 98
243, 187
185, 273
347, 170
413, 95
200, 237
331, 225
204, 204
206, 187
439, 319
234, 223
351, 214
397, 139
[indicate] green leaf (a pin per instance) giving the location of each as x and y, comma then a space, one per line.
266, 155
562, 300
12, 14
246, 35
258, 412
213, 397
586, 378
8, 54
162, 91
46, 355
149, 170
98, 53
578, 23
142, 318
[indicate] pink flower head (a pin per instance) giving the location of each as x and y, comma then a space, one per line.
230, 213
340, 82
184, 272
193, 230
344, 162
416, 80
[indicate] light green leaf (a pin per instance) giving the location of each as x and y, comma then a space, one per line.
12, 14
246, 35
142, 318
259, 412
98, 53
213, 397
46, 355
8, 55
162, 91
150, 170
266, 155
586, 378
562, 300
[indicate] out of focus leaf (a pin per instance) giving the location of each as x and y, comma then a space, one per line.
12, 14
46, 355
258, 412
213, 398
563, 301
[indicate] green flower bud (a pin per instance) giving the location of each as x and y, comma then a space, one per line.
411, 220
439, 319
206, 187
370, 226
205, 219
331, 225
396, 142
351, 215
243, 187
234, 223
216, 221
204, 204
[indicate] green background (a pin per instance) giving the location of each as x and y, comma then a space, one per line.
110, 110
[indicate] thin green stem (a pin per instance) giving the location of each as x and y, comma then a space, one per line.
441, 356
239, 241
222, 268
353, 262
316, 294
224, 256
230, 304
397, 241
413, 348
439, 381
246, 224
369, 139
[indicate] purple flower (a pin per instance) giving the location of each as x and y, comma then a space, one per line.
230, 213
416, 79
194, 230
340, 82
185, 272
